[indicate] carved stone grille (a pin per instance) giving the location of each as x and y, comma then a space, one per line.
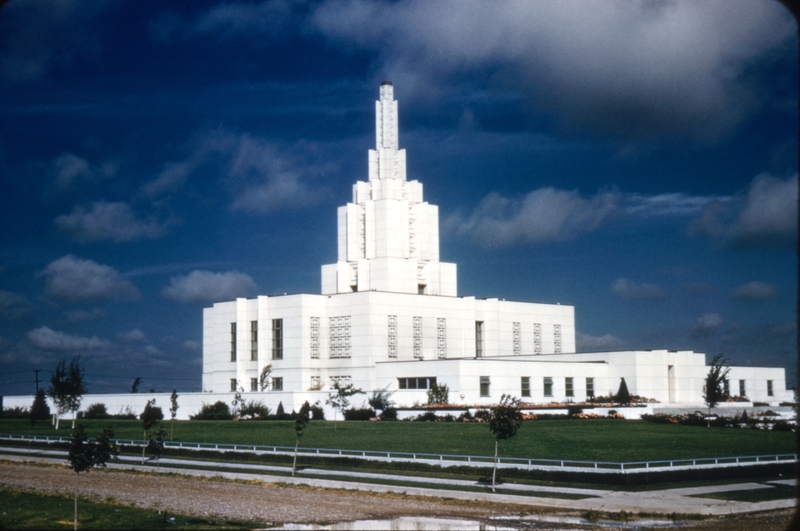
392, 336
418, 337
316, 384
557, 338
441, 337
517, 343
315, 337
340, 336
341, 380
537, 338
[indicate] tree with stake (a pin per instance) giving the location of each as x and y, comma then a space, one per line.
173, 411
339, 398
504, 422
714, 386
155, 443
300, 424
67, 386
84, 455
150, 417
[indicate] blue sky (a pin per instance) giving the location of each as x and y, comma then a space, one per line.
634, 159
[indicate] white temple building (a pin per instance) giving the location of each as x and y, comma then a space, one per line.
389, 317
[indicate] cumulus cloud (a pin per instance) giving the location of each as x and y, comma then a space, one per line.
36, 37
706, 325
108, 221
666, 205
68, 169
14, 305
205, 287
544, 215
630, 68
46, 338
755, 291
132, 336
765, 216
586, 342
628, 289
73, 279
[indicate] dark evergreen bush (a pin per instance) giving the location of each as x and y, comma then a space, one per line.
216, 411
389, 414
428, 416
317, 413
96, 411
364, 413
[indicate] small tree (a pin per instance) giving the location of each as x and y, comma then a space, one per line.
150, 417
623, 396
155, 444
381, 399
135, 385
173, 411
438, 395
300, 424
67, 386
339, 398
714, 386
84, 455
504, 421
39, 409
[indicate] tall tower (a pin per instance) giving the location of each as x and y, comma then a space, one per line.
388, 237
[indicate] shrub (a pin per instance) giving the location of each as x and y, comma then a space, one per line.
482, 415
428, 416
126, 415
363, 413
389, 414
216, 411
96, 411
574, 411
782, 425
465, 417
317, 413
15, 413
254, 410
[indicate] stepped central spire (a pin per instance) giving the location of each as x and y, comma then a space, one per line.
388, 237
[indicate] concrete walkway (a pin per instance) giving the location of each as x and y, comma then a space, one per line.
667, 501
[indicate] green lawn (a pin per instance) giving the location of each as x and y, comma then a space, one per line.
588, 440
23, 510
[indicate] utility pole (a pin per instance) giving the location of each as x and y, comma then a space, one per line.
37, 379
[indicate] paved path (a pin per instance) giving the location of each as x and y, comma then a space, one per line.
667, 501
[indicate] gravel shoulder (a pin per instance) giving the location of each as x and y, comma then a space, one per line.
280, 503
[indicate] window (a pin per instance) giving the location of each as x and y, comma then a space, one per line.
769, 388
742, 390
478, 339
548, 386
516, 336
441, 337
277, 384
253, 340
277, 339
525, 388
568, 390
537, 338
254, 384
589, 387
557, 338
315, 337
726, 385
233, 385
424, 382
316, 383
485, 383
340, 380
233, 341
418, 337
392, 336
339, 336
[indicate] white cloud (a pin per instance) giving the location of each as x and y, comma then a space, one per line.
629, 67
193, 346
544, 215
48, 339
628, 289
706, 325
586, 342
755, 291
206, 287
767, 215
132, 336
73, 279
107, 221
666, 205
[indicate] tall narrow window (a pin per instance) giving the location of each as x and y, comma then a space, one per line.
277, 384
516, 337
726, 385
233, 385
568, 389
557, 338
339, 336
589, 387
525, 388
769, 388
392, 336
478, 339
742, 390
277, 339
537, 338
254, 384
253, 340
548, 386
485, 384
441, 337
233, 341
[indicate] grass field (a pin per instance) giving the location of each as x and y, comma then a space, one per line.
586, 440
23, 510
